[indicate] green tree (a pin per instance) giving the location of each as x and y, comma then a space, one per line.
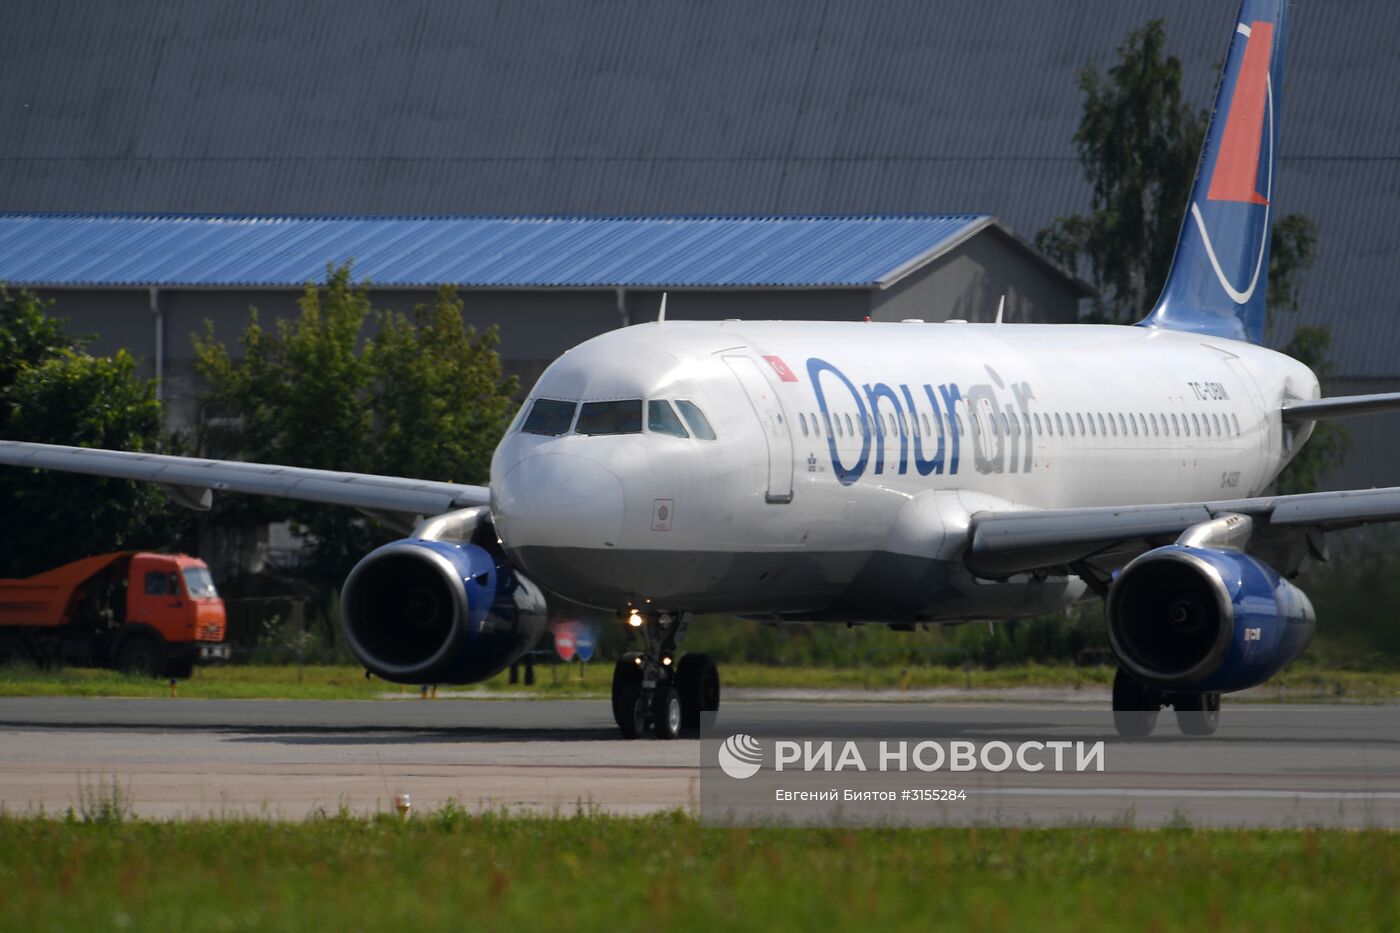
347, 387
1139, 144
1294, 248
52, 392
435, 378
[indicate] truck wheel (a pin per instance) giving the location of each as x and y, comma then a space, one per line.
180, 670
140, 656
13, 650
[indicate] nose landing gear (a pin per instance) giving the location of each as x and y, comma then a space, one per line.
651, 692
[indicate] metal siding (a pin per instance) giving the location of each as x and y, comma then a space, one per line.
95, 250
688, 106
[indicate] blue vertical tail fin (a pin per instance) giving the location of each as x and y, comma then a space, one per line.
1219, 277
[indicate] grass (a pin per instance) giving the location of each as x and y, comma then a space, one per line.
453, 871
343, 682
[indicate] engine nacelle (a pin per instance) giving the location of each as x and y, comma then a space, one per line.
426, 612
1202, 620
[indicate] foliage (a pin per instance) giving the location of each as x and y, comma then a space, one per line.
436, 379
1355, 594
1139, 144
347, 387
461, 868
53, 392
1325, 450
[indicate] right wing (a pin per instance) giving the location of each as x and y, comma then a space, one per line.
192, 481
1013, 542
1341, 406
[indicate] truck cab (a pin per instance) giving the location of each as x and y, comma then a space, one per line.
174, 595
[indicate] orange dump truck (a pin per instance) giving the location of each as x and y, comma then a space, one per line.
139, 612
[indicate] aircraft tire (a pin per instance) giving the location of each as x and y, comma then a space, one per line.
665, 712
697, 680
1197, 713
1135, 706
630, 707
626, 673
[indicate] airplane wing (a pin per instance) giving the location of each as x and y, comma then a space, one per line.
1341, 406
1003, 543
192, 481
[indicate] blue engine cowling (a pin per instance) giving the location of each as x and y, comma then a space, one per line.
426, 612
1201, 620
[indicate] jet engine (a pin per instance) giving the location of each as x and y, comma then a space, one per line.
1205, 620
421, 611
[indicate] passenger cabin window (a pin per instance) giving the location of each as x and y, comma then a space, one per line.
661, 419
622, 417
699, 424
550, 417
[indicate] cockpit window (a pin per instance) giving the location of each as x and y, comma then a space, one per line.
624, 417
661, 419
550, 417
699, 424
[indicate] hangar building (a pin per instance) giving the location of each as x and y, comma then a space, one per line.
150, 282
687, 107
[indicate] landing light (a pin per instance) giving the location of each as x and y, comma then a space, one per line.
666, 661
635, 619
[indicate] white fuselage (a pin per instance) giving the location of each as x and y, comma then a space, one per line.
802, 508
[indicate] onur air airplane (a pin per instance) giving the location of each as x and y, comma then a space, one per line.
881, 473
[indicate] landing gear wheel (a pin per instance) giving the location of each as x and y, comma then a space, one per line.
140, 656
697, 681
180, 670
1197, 713
1135, 706
665, 712
630, 706
13, 650
627, 672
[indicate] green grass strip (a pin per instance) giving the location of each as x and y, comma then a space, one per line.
454, 871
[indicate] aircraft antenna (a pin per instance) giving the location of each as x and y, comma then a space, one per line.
1001, 308
661, 316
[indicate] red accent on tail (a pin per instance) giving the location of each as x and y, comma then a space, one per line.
1237, 165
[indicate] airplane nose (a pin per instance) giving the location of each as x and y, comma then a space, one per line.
558, 501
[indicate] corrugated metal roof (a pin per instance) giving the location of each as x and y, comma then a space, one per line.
672, 106
97, 250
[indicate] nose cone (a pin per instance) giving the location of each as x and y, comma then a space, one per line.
558, 501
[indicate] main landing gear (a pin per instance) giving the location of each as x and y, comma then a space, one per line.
1136, 705
651, 692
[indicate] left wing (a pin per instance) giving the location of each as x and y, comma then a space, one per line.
192, 481
1003, 543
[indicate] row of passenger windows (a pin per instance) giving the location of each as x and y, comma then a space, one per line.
552, 417
1082, 424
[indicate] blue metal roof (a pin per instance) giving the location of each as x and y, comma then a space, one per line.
107, 250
